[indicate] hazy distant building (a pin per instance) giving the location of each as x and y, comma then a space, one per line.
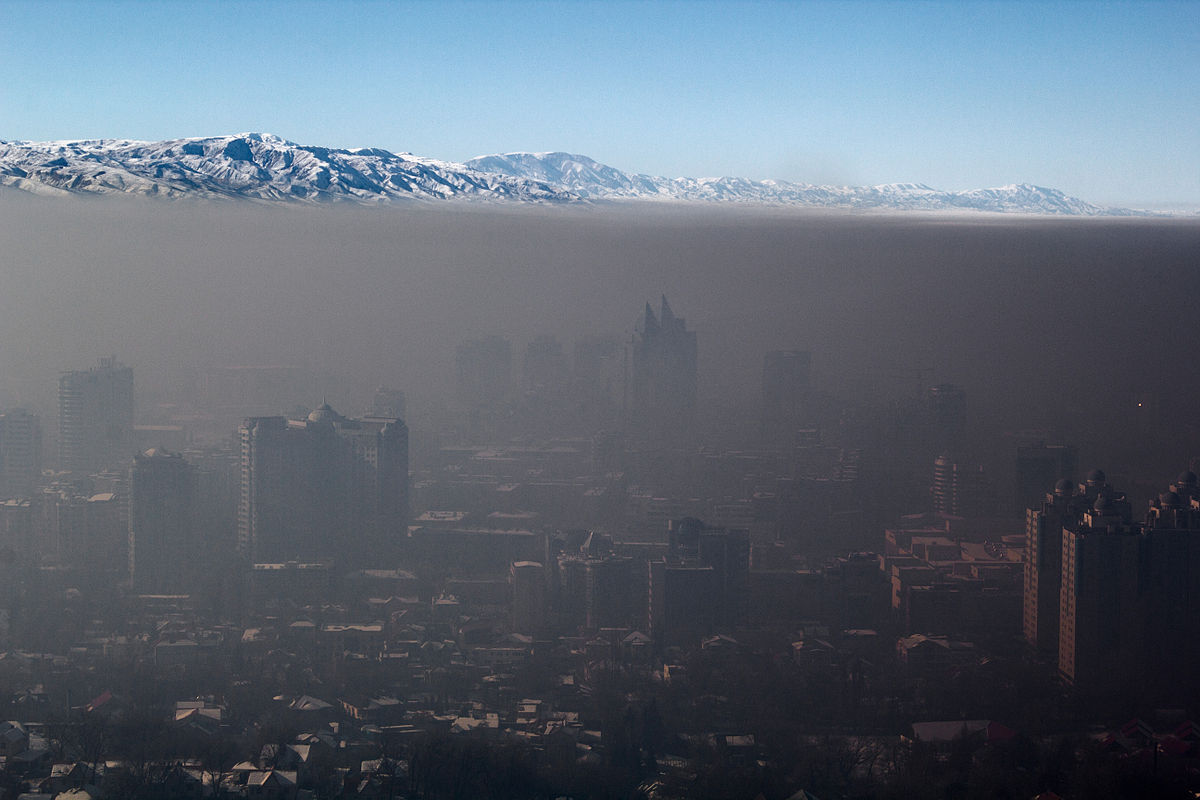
663, 385
88, 532
528, 579
961, 490
544, 368
785, 394
483, 371
545, 387
16, 532
598, 378
163, 546
20, 453
95, 416
323, 488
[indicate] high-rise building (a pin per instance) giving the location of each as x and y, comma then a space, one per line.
95, 417
545, 388
528, 579
163, 549
1171, 575
961, 490
598, 378
323, 488
609, 592
664, 373
1101, 615
785, 394
20, 453
1128, 606
1043, 563
702, 585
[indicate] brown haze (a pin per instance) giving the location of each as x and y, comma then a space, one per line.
1056, 323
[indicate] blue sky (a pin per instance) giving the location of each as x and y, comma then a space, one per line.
1101, 100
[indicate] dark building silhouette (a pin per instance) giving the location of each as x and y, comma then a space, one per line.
702, 584
597, 589
1101, 611
785, 394
1171, 576
163, 547
1128, 612
95, 417
1043, 563
323, 488
663, 385
20, 453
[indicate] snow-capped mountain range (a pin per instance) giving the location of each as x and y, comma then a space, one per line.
255, 166
590, 179
263, 167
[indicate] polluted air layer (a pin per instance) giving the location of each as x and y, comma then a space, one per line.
1045, 322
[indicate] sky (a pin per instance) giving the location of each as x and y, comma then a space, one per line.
1098, 99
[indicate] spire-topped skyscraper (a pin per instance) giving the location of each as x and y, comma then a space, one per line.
664, 373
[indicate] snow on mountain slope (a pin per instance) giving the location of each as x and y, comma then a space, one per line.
251, 165
259, 166
590, 179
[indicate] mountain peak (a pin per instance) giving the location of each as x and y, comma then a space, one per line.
254, 166
265, 167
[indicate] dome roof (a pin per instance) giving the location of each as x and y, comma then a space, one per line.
323, 413
1096, 476
1187, 478
1064, 488
1169, 500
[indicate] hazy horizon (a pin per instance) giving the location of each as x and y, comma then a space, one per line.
1041, 320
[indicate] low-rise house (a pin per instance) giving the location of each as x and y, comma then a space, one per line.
14, 738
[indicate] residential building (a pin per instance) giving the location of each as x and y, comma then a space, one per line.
163, 547
20, 453
323, 488
95, 417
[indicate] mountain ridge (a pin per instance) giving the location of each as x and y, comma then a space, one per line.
253, 166
267, 168
593, 180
